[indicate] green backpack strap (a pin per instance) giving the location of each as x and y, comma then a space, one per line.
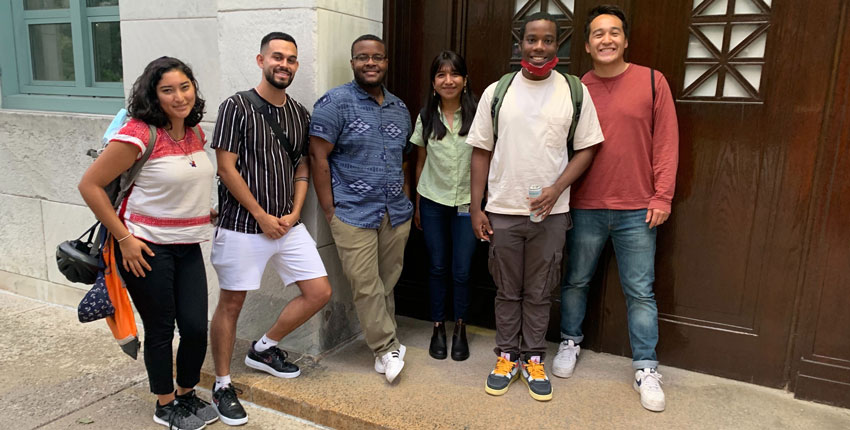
126, 179
498, 98
577, 96
137, 166
197, 130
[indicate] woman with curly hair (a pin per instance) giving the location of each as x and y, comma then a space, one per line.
158, 228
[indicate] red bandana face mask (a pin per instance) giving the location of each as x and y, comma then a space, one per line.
541, 71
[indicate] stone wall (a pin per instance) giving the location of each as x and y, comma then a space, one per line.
42, 154
42, 157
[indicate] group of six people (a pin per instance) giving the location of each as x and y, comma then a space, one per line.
468, 188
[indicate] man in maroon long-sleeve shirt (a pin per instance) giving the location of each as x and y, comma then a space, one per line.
624, 195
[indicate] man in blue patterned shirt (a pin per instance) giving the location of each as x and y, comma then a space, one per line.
357, 138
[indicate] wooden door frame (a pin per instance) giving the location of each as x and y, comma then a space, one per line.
813, 376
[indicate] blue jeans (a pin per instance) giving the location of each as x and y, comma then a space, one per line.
634, 246
448, 236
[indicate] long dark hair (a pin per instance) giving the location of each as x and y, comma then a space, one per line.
431, 124
143, 102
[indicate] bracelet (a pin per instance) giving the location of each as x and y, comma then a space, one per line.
124, 238
301, 178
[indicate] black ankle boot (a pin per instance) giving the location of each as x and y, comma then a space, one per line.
438, 342
460, 347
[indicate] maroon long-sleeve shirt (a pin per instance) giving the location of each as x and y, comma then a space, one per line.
635, 168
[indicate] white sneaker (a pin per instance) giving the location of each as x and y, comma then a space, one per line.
392, 364
648, 384
565, 360
379, 366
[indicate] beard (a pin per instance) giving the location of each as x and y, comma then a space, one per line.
361, 80
281, 85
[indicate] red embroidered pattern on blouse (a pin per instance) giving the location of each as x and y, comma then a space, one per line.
169, 222
165, 146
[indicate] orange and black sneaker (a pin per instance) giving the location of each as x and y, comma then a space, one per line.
501, 377
535, 377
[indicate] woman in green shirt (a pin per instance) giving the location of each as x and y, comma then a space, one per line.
442, 196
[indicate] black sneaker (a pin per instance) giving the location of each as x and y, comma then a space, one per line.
198, 407
272, 361
228, 407
175, 416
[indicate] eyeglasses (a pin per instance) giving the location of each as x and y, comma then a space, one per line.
363, 58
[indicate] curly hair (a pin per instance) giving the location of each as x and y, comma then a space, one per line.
367, 37
537, 16
143, 102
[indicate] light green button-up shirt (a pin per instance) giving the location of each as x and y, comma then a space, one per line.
445, 176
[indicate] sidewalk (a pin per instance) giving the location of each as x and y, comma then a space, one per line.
56, 373
343, 391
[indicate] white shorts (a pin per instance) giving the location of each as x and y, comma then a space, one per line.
239, 259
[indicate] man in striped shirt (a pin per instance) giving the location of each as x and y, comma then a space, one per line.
263, 183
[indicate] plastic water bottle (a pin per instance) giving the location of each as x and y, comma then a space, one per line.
534, 192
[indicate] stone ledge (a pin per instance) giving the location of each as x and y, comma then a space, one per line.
342, 390
263, 390
40, 289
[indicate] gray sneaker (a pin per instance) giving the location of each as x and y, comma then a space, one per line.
175, 416
198, 407
499, 380
534, 376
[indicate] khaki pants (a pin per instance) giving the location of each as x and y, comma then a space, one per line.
372, 261
525, 262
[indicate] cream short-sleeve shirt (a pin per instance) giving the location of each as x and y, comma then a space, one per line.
534, 122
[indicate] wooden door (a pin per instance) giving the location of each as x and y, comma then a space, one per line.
415, 32
752, 81
729, 261
821, 357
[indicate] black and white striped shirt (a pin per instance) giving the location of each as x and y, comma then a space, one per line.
263, 162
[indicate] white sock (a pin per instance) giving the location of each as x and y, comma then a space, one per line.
221, 381
264, 344
535, 359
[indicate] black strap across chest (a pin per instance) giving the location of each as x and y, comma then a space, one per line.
260, 106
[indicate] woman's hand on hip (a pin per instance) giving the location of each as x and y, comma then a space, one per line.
132, 251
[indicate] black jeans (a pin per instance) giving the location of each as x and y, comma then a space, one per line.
174, 290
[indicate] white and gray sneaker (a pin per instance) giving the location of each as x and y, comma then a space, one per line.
391, 364
197, 406
565, 360
176, 416
648, 384
379, 366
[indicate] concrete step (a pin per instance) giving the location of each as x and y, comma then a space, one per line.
342, 390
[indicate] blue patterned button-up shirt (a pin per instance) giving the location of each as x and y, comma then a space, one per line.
366, 161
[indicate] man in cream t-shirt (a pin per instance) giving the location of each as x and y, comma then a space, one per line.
525, 256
